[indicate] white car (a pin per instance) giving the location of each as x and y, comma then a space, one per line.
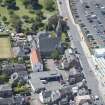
96, 97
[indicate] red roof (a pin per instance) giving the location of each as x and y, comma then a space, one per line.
35, 56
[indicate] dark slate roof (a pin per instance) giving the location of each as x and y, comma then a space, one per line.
23, 75
19, 67
47, 43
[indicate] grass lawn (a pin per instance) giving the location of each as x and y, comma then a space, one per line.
48, 13
21, 12
25, 12
4, 12
5, 47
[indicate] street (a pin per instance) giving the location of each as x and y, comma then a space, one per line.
76, 39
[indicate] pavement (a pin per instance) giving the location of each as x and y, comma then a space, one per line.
35, 100
92, 82
52, 67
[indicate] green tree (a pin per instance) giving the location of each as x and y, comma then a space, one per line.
52, 22
19, 89
49, 5
16, 22
4, 18
26, 3
33, 3
55, 54
39, 14
11, 12
11, 4
35, 26
1, 1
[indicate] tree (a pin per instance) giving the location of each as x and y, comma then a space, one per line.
11, 4
55, 54
35, 26
33, 3
16, 22
52, 22
39, 14
20, 89
49, 5
11, 12
4, 18
1, 1
19, 26
26, 3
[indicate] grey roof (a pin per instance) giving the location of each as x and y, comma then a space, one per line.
6, 101
19, 100
70, 57
82, 91
65, 90
5, 87
46, 94
37, 83
64, 101
47, 43
23, 75
15, 67
73, 71
18, 51
8, 67
86, 103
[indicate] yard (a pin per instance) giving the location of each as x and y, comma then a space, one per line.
5, 47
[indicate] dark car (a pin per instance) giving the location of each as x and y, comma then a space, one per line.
60, 2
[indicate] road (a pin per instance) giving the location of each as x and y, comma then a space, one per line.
76, 39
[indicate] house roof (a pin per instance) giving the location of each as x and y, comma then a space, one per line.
5, 87
79, 99
65, 90
47, 43
6, 101
18, 51
46, 94
36, 82
73, 71
18, 100
8, 67
19, 67
35, 56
